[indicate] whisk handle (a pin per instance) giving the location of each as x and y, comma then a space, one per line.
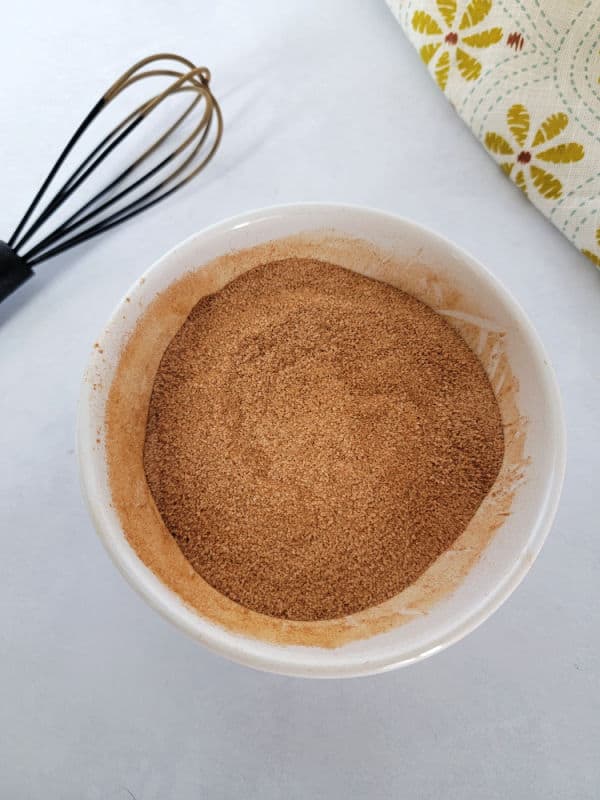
14, 271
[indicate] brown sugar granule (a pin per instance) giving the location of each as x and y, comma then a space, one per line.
316, 439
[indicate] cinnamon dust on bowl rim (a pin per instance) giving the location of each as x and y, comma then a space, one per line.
316, 439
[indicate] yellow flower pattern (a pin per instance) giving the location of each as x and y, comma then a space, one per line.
594, 257
522, 157
449, 42
507, 66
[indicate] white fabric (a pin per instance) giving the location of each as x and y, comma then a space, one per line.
525, 76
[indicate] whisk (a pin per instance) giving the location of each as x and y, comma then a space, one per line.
133, 190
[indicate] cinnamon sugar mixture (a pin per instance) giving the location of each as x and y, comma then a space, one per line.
316, 439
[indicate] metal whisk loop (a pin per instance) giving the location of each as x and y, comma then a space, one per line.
191, 152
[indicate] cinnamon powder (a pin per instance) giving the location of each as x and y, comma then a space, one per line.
316, 439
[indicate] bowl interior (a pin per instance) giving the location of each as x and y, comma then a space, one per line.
465, 584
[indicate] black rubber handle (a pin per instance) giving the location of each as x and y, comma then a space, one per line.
14, 271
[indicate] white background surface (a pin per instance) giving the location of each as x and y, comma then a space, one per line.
100, 698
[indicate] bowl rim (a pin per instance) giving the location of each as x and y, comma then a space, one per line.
140, 577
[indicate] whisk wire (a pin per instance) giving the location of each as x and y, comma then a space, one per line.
73, 183
65, 226
59, 162
202, 130
72, 223
194, 79
126, 213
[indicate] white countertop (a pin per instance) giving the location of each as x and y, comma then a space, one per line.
100, 699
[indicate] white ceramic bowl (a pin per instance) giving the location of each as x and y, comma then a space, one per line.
418, 260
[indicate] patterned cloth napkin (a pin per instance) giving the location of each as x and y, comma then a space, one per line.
525, 76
